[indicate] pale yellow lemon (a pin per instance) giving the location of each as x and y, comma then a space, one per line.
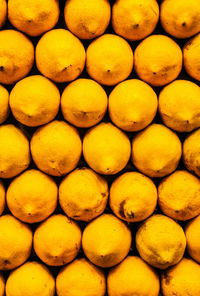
32, 196
60, 55
109, 59
191, 57
4, 104
15, 242
30, 279
135, 19
106, 240
158, 60
81, 277
132, 105
14, 151
179, 105
56, 148
33, 17
133, 197
34, 100
83, 194
160, 241
156, 151
133, 277
87, 19
106, 149
179, 195
57, 240
180, 18
84, 102
16, 56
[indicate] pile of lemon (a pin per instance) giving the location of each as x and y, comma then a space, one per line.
99, 148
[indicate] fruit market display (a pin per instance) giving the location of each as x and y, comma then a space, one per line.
99, 148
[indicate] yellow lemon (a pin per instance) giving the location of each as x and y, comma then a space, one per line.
191, 57
191, 152
2, 197
81, 278
132, 105
109, 59
4, 104
57, 240
56, 148
179, 195
106, 240
106, 149
133, 277
16, 56
3, 12
87, 19
2, 285
32, 196
15, 242
133, 197
192, 232
180, 18
14, 151
60, 55
33, 17
179, 105
34, 100
160, 241
181, 279
30, 279
84, 102
83, 194
158, 60
135, 19
156, 151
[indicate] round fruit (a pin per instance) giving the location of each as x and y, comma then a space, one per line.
33, 17
2, 198
106, 149
191, 57
3, 14
34, 100
56, 148
60, 55
129, 276
87, 19
57, 240
179, 105
30, 279
2, 285
135, 19
15, 242
16, 56
81, 278
109, 59
14, 151
4, 104
133, 197
132, 105
192, 233
84, 102
191, 152
181, 279
106, 240
156, 151
83, 194
179, 195
32, 196
158, 60
160, 241
180, 18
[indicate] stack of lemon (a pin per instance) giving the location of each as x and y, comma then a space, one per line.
99, 148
